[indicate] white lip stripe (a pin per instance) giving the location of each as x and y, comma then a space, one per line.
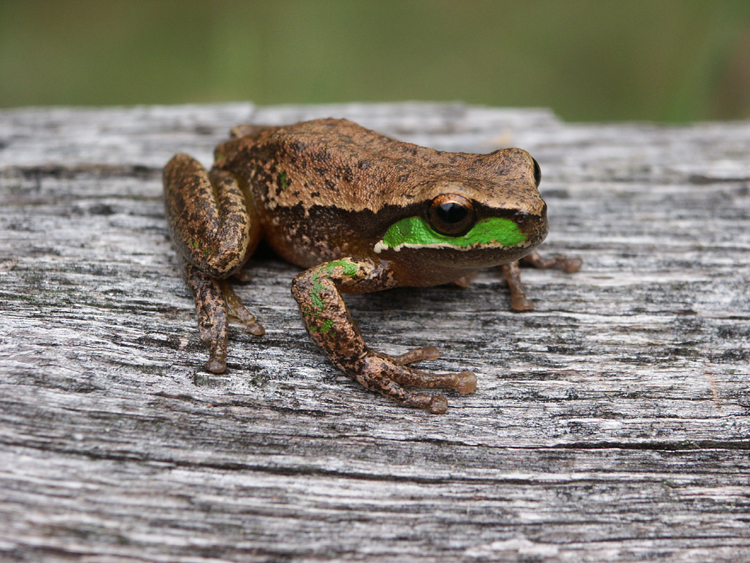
381, 246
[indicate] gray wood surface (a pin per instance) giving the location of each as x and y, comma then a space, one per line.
610, 424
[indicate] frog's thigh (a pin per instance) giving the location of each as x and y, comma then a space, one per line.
213, 225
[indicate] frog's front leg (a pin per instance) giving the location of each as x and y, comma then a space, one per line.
318, 294
214, 229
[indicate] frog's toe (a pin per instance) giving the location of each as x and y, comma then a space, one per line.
217, 360
519, 302
559, 262
438, 405
418, 355
464, 382
239, 310
435, 404
570, 265
216, 365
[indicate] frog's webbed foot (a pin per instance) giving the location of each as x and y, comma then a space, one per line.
388, 375
512, 273
318, 293
214, 228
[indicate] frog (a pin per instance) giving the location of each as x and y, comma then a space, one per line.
359, 212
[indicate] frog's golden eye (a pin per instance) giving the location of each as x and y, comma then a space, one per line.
451, 214
537, 172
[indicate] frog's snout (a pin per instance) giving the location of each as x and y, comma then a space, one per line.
535, 227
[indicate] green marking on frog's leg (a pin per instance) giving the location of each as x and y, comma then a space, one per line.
327, 270
350, 269
414, 232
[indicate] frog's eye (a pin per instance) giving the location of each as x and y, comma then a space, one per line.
451, 214
537, 172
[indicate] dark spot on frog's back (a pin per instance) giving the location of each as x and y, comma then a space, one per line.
347, 174
320, 156
297, 147
364, 164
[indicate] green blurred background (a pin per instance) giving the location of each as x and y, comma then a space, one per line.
660, 60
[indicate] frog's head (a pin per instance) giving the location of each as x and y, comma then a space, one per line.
488, 213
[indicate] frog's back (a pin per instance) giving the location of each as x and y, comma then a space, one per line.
326, 162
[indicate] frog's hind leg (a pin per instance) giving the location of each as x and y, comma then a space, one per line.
213, 225
214, 228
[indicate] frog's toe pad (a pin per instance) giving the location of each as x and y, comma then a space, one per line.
570, 265
466, 382
521, 303
215, 365
438, 405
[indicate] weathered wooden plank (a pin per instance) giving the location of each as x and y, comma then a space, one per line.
612, 423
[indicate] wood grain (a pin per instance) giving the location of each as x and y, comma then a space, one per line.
611, 423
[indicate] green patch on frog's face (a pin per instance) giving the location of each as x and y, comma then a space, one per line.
414, 232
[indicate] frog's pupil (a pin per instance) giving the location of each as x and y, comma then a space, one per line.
451, 212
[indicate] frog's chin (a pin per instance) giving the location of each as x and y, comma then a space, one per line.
446, 264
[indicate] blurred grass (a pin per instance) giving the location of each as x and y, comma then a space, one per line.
665, 60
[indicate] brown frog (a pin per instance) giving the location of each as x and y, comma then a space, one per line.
361, 212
